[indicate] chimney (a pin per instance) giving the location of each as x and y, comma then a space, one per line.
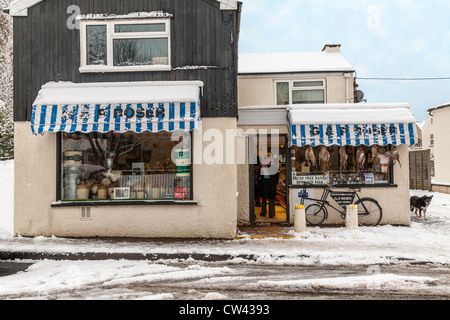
330, 48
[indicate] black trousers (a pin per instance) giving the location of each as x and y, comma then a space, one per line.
271, 207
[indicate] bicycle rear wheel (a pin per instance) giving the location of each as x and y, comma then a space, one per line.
369, 212
315, 214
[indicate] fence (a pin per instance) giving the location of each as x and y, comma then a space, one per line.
420, 170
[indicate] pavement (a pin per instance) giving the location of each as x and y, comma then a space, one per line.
254, 231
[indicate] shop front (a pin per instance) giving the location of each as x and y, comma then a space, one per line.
120, 162
348, 146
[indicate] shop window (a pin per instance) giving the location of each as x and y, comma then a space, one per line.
142, 45
300, 92
347, 165
124, 166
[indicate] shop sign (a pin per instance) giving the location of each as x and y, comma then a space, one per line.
358, 130
343, 198
314, 179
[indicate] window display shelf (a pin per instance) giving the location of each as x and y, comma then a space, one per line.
99, 203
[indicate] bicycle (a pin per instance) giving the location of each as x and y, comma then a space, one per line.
370, 211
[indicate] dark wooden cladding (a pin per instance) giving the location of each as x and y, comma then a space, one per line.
45, 49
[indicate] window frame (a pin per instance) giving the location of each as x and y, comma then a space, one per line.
79, 203
390, 175
111, 35
292, 88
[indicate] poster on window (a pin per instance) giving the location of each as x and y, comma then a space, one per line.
314, 179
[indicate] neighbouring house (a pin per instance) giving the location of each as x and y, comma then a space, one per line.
436, 133
302, 107
100, 88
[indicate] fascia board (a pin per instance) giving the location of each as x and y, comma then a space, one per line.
19, 8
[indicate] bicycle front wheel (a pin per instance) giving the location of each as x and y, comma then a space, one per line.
315, 214
369, 212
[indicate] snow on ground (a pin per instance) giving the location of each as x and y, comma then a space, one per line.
422, 242
6, 198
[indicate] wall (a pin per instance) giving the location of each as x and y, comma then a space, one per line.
428, 129
215, 189
260, 90
45, 49
441, 120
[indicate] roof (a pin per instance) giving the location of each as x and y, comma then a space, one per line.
20, 7
327, 114
266, 63
351, 113
443, 106
69, 93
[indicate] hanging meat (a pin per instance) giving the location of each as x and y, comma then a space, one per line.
324, 158
395, 156
360, 158
376, 155
310, 157
343, 159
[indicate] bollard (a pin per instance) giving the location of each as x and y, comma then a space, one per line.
351, 218
300, 219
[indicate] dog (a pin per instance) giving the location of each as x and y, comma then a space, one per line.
419, 205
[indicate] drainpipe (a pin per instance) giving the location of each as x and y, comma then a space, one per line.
347, 76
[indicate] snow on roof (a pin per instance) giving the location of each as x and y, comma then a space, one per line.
133, 15
69, 93
443, 106
293, 62
345, 113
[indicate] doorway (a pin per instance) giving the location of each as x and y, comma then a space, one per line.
274, 146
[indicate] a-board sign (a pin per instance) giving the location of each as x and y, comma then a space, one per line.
343, 198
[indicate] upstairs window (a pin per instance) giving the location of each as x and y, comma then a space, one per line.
125, 45
300, 92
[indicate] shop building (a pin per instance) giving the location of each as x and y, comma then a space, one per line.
437, 132
303, 104
111, 103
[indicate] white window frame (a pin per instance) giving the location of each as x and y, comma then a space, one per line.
291, 88
112, 35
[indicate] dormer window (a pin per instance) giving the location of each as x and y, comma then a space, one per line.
124, 45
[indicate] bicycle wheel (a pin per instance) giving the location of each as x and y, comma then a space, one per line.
315, 214
369, 212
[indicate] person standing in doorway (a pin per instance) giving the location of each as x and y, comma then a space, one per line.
269, 185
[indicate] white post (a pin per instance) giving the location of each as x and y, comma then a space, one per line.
351, 218
300, 219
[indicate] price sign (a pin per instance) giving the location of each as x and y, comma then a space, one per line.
343, 198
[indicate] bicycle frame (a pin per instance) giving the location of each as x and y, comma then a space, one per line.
324, 203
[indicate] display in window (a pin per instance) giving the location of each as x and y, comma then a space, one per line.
97, 166
343, 165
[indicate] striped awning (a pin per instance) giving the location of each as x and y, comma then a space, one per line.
354, 125
118, 107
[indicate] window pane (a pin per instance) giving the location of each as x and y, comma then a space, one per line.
342, 165
96, 45
282, 93
139, 52
308, 96
129, 166
302, 84
154, 27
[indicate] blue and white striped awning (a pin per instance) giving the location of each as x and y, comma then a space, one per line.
350, 124
118, 107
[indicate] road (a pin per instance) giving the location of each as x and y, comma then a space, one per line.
249, 281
